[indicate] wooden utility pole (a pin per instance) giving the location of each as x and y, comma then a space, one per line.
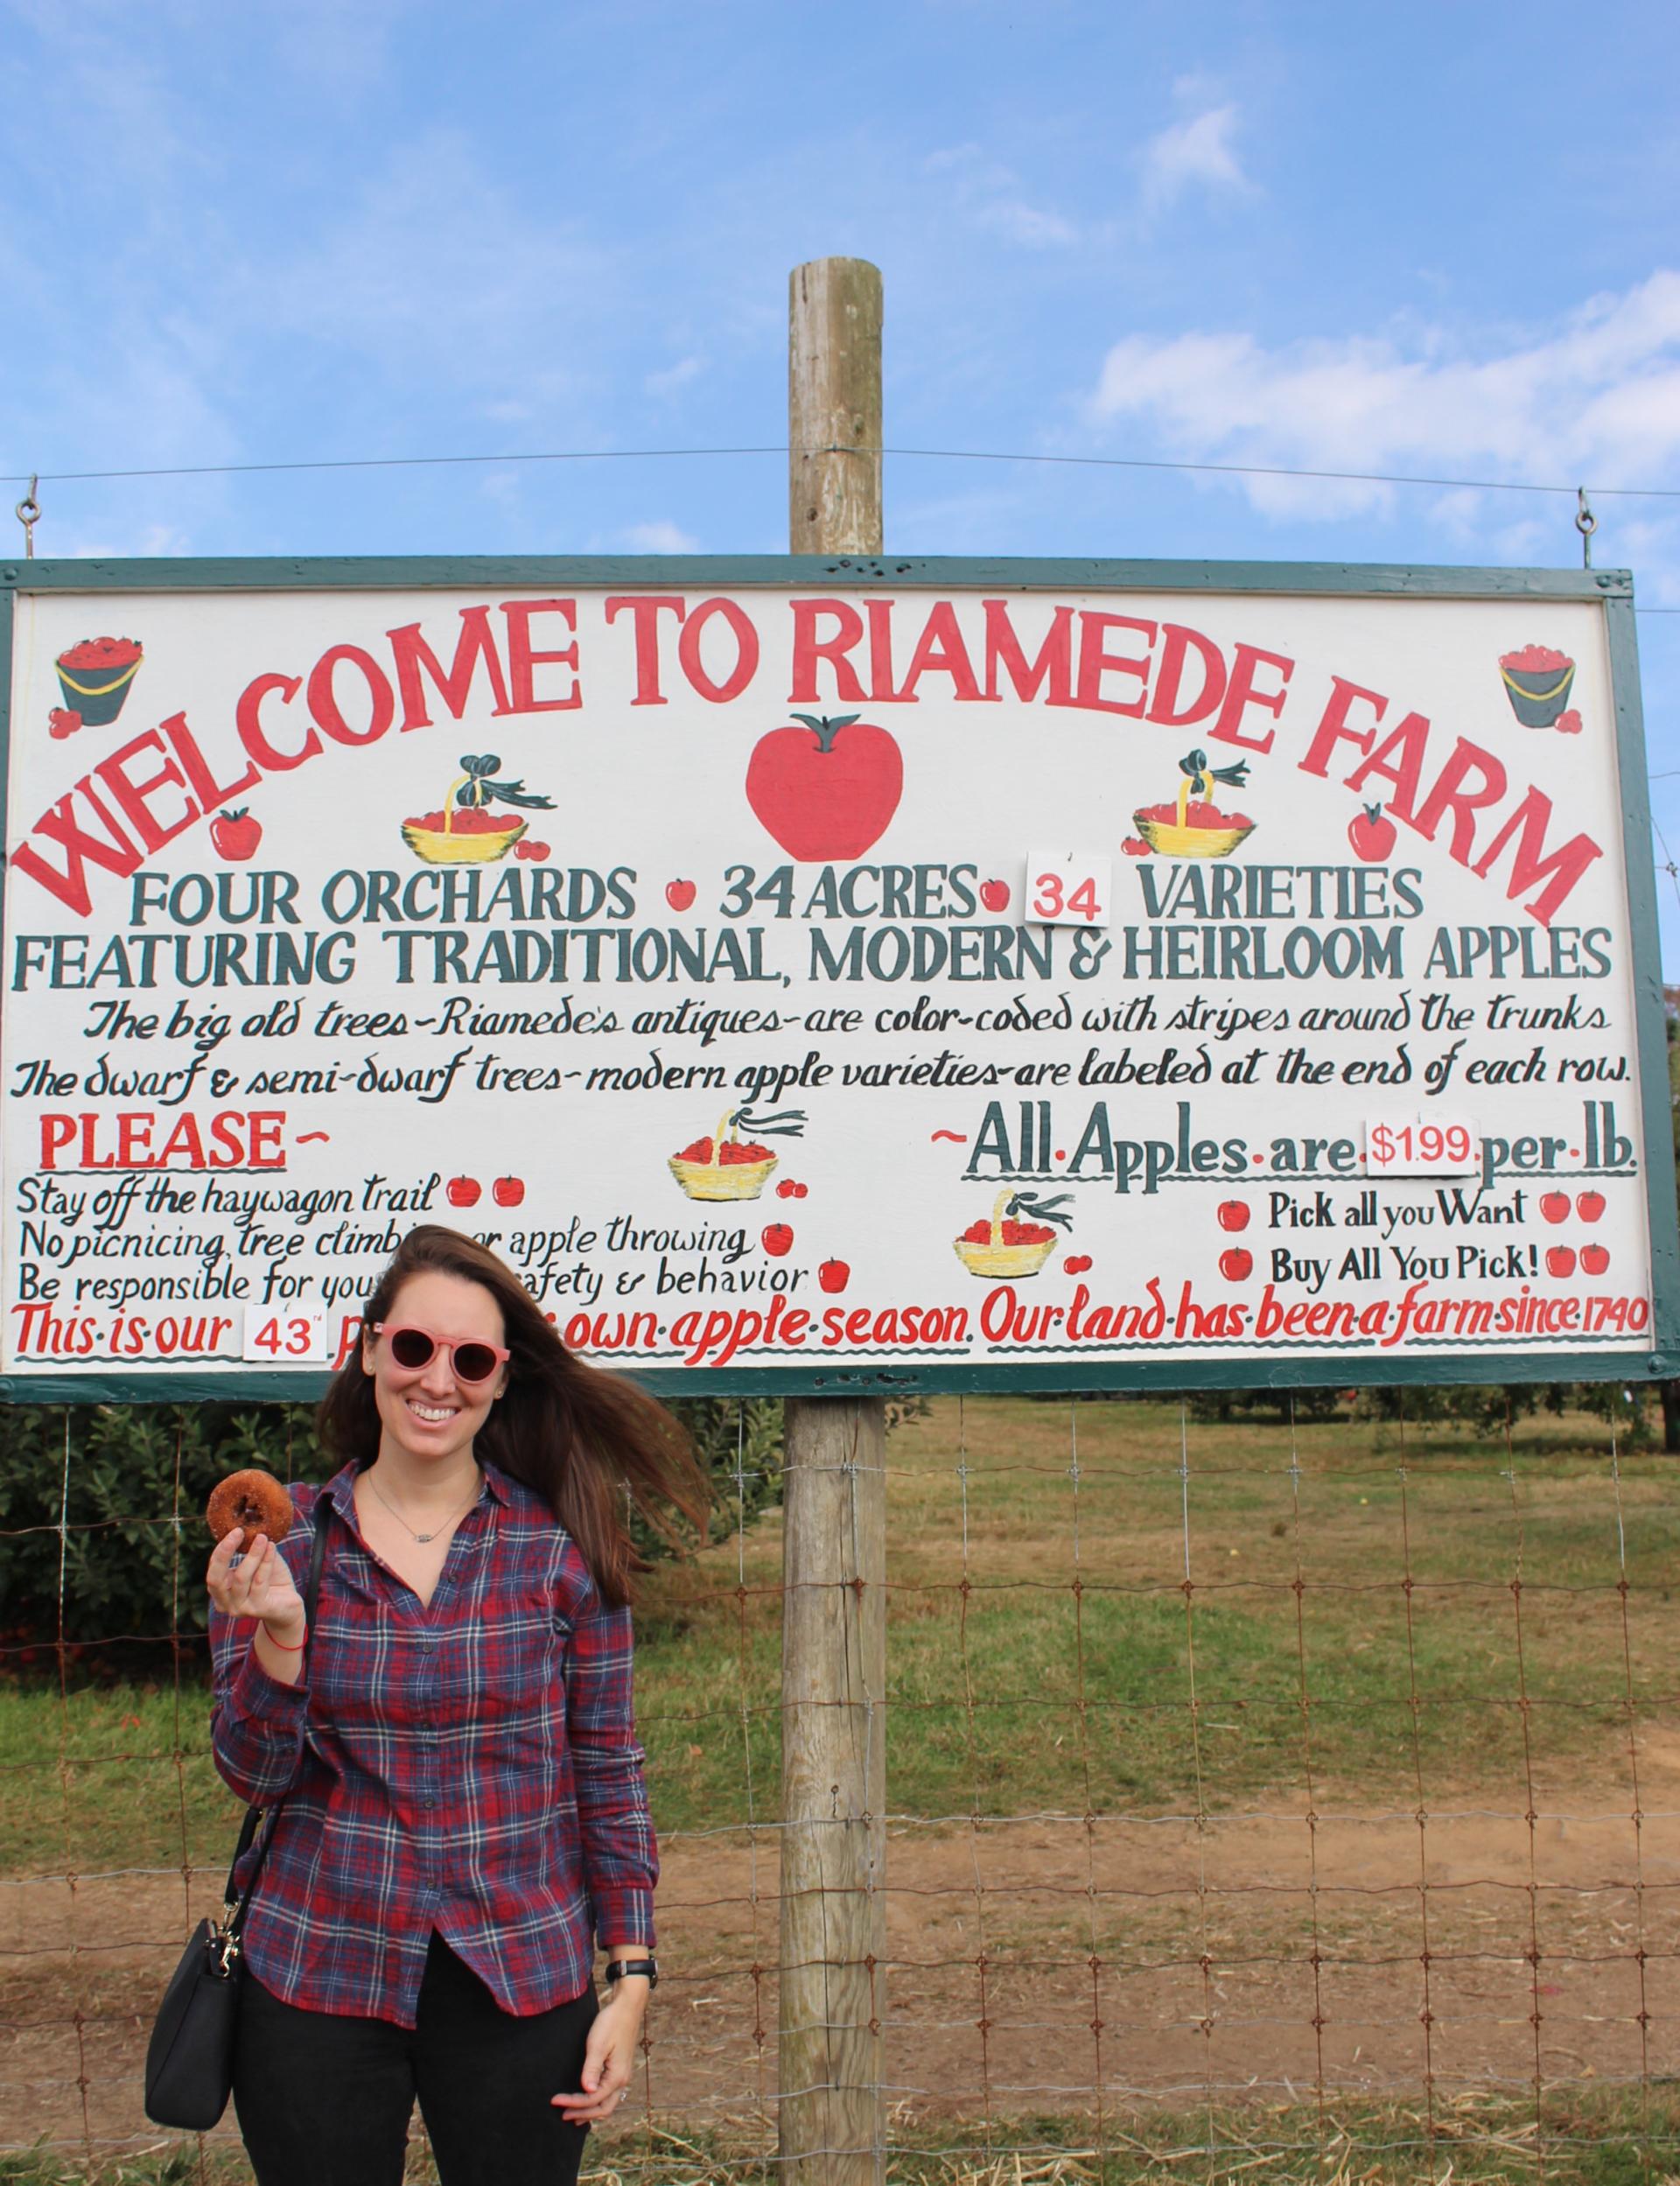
831, 2121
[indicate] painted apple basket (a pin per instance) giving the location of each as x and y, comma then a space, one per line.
732, 1168
1537, 683
1195, 829
468, 834
94, 678
996, 1255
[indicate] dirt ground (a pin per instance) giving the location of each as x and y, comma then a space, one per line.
1045, 1964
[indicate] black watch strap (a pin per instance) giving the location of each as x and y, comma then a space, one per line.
648, 1967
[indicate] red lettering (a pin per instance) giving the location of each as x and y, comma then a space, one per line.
809, 648
1241, 694
881, 650
746, 650
132, 796
1399, 760
522, 660
61, 825
941, 646
323, 700
1564, 865
645, 610
184, 1142
1177, 643
1451, 794
1095, 663
252, 734
1332, 729
201, 779
414, 658
1053, 663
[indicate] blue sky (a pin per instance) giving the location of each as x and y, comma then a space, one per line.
1440, 240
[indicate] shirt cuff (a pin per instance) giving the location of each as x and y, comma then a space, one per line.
623, 1910
255, 1696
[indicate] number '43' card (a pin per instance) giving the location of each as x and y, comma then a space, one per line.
279, 1338
1068, 888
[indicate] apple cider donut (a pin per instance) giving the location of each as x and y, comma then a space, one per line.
252, 1499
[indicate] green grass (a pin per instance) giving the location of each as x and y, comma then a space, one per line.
1595, 2141
1023, 1694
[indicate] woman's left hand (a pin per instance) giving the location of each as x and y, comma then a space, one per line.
610, 2057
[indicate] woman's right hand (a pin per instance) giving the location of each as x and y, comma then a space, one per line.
259, 1586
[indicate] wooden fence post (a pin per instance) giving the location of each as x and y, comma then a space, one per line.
831, 2118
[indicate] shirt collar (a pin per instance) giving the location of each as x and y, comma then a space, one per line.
342, 1487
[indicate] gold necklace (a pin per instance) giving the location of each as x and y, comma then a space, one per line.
436, 1530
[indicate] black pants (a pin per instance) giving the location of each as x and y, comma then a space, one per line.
326, 2100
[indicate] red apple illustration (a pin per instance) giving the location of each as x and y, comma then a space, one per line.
1237, 1264
777, 1238
994, 895
1555, 1206
828, 789
1569, 723
1595, 1260
679, 894
1560, 1260
1135, 846
532, 852
834, 1275
1371, 835
1590, 1206
63, 721
1233, 1213
236, 835
786, 1189
464, 1191
508, 1191
1076, 1263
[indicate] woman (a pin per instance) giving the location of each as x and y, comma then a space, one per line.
464, 1805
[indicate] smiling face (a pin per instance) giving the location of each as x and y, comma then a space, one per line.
425, 1415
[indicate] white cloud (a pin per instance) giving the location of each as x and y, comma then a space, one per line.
991, 194
1597, 399
660, 536
1195, 151
673, 375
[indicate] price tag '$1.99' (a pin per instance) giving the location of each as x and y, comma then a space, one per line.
1414, 1146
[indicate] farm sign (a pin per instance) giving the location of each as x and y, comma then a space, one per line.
825, 975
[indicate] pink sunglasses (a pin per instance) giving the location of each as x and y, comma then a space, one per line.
470, 1358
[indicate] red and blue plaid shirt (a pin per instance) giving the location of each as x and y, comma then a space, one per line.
468, 1765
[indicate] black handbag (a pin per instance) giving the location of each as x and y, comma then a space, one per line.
190, 2057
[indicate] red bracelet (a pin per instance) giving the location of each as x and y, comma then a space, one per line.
283, 1645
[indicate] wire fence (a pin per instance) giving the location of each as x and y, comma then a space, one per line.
1263, 1795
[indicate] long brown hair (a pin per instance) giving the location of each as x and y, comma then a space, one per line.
582, 1438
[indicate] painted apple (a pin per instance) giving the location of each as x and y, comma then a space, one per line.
786, 1189
834, 1275
679, 894
828, 789
995, 895
1237, 1264
236, 835
531, 851
1595, 1260
1560, 1260
464, 1191
1590, 1206
778, 1237
508, 1191
1568, 722
1555, 1206
1076, 1263
1233, 1213
63, 721
1371, 835
1135, 846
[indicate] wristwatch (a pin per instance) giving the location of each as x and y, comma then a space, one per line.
648, 1967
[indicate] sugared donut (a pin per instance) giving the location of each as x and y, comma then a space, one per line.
253, 1499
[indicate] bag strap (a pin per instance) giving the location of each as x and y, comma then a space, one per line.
247, 1828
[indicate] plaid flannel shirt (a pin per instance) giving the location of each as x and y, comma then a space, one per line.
468, 1765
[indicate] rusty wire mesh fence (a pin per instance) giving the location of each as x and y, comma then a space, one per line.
1261, 1794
